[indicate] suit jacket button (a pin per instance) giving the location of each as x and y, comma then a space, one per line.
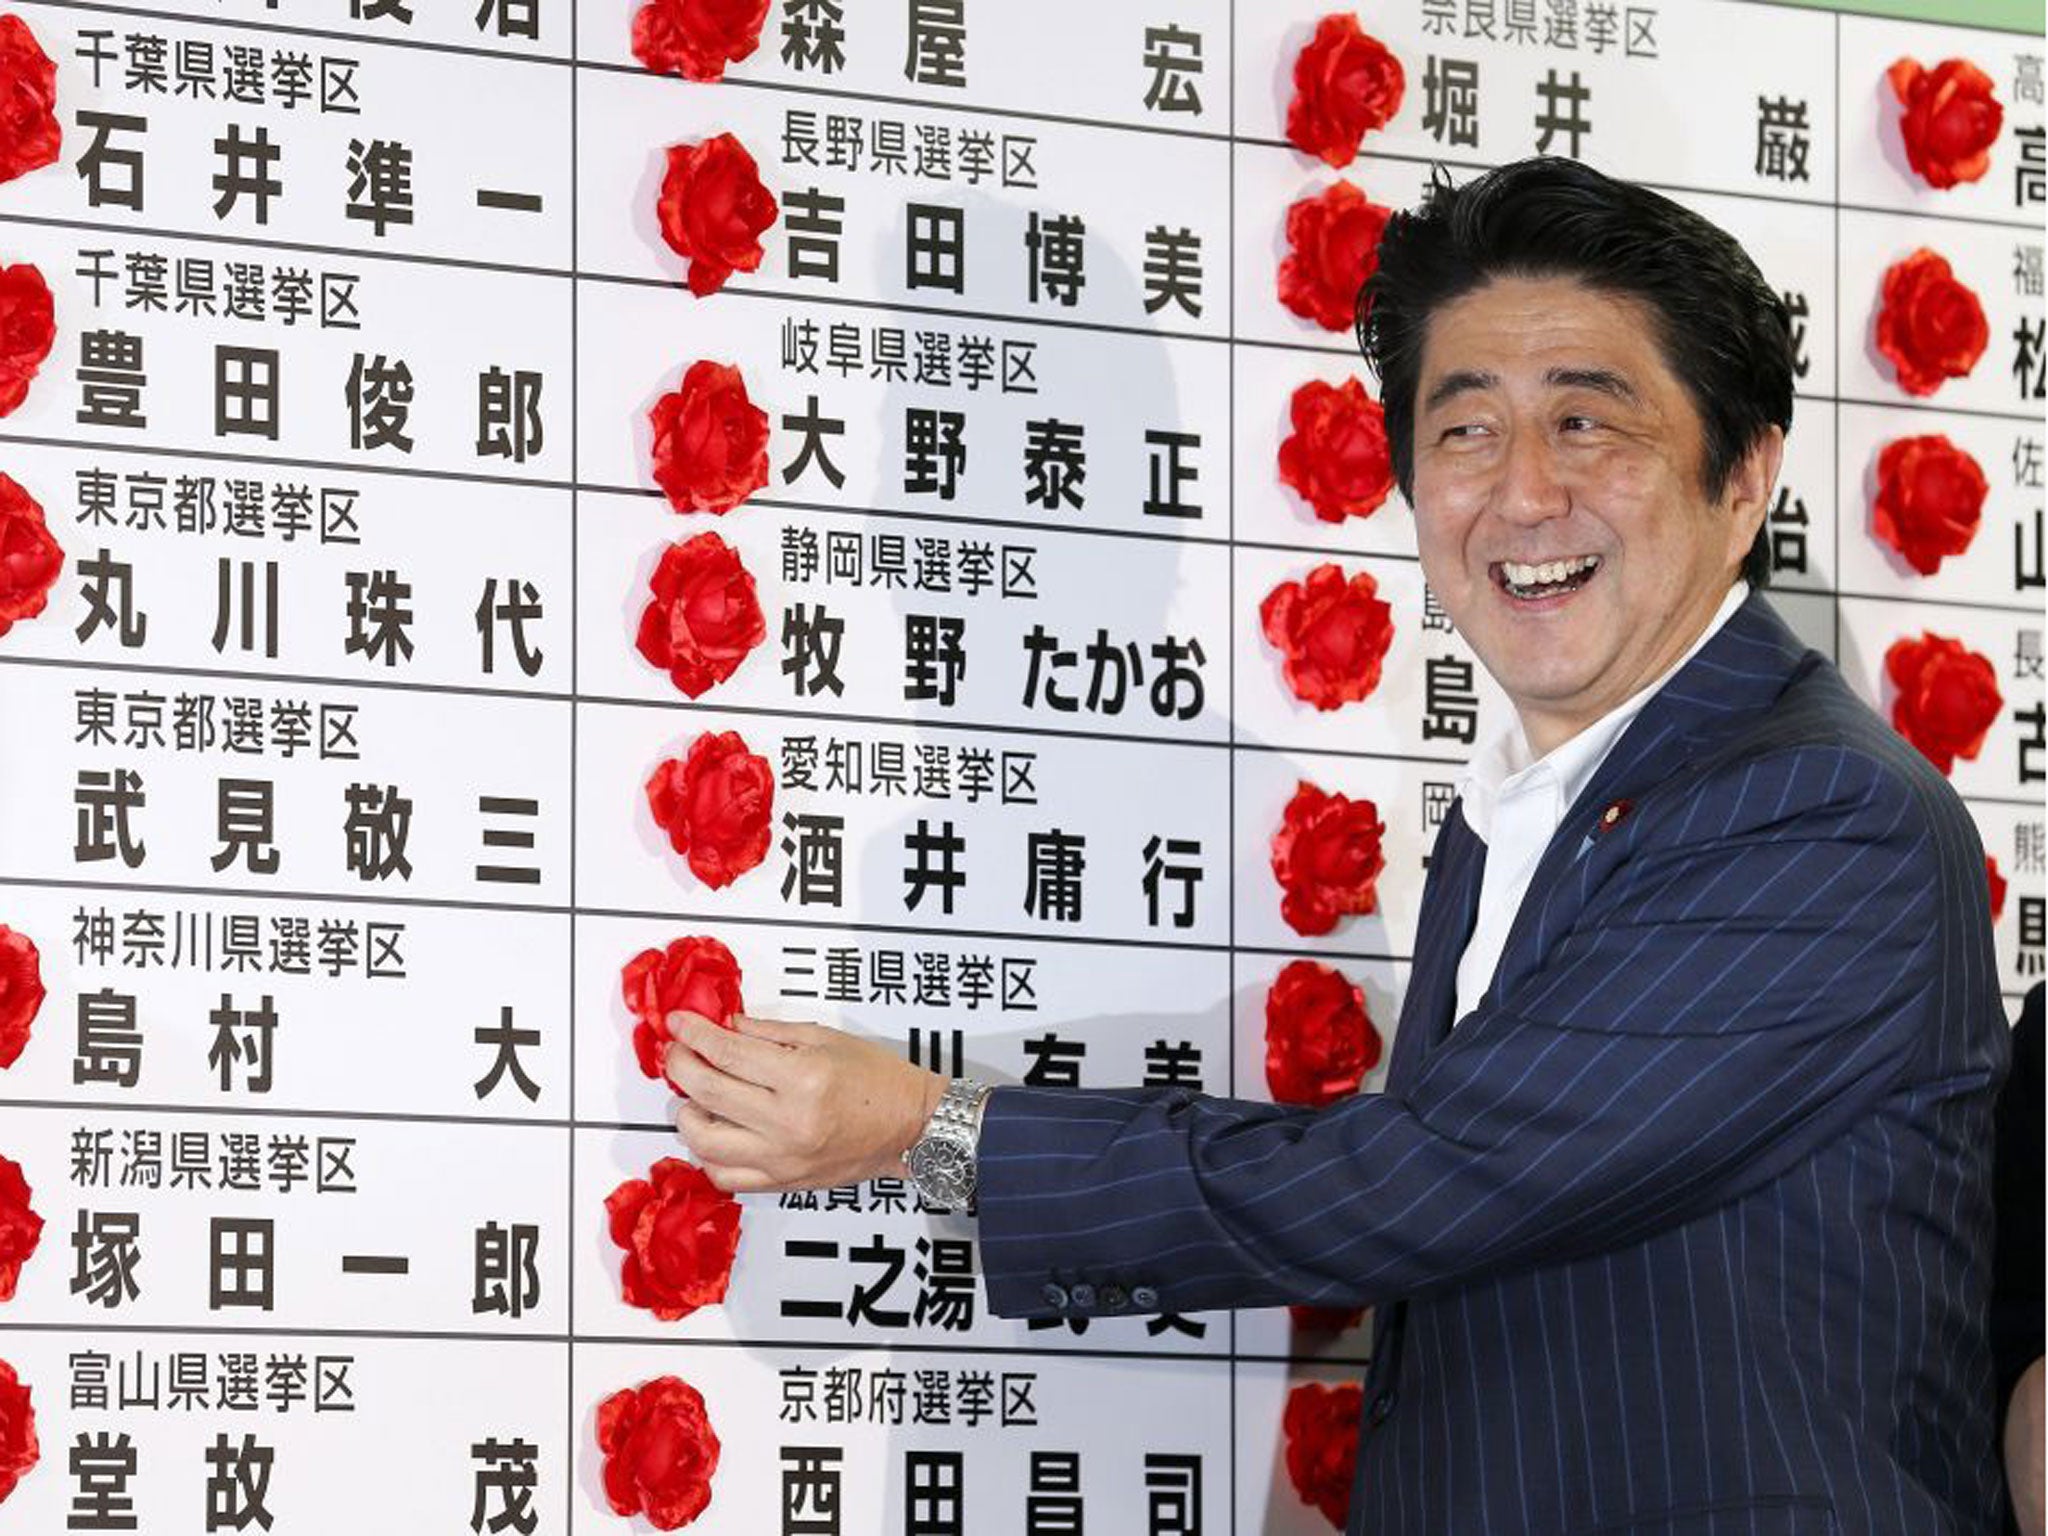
1114, 1299
1082, 1295
1054, 1296
1144, 1298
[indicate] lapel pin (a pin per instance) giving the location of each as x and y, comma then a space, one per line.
1612, 817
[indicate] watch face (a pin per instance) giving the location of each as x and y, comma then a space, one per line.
944, 1171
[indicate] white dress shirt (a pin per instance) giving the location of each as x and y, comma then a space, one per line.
1514, 805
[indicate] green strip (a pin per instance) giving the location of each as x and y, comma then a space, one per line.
2008, 15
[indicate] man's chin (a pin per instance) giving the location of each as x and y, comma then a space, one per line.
1557, 693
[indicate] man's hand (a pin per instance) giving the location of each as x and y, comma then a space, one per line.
794, 1106
2023, 1451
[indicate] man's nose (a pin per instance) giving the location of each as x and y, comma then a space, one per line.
1530, 488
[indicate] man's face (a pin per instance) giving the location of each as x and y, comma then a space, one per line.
1558, 507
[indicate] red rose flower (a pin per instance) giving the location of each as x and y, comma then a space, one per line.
1951, 119
1334, 241
1334, 632
704, 617
1320, 1042
1345, 85
1930, 326
1325, 1319
18, 1449
21, 992
697, 38
659, 1452
1948, 697
29, 135
680, 1232
713, 209
1326, 857
1996, 881
1321, 1429
28, 327
1337, 457
710, 441
20, 1226
695, 973
30, 559
714, 805
1930, 498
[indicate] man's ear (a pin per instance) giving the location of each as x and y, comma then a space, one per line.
1748, 492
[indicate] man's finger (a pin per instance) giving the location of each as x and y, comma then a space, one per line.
742, 1056
713, 1140
731, 1098
778, 1031
739, 1181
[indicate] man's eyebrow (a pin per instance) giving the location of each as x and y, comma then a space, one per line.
1462, 381
1603, 381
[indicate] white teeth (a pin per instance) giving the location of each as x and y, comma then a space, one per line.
1548, 574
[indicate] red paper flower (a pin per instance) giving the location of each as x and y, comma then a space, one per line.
20, 1227
28, 327
680, 1232
1320, 1042
1326, 857
1930, 498
18, 1449
1325, 1319
659, 1452
697, 38
696, 973
1951, 119
710, 441
1334, 241
1947, 697
713, 209
1996, 881
1337, 457
21, 992
715, 805
29, 135
704, 617
1345, 85
1321, 1430
30, 559
1930, 326
1334, 632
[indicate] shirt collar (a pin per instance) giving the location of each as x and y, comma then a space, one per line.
1503, 763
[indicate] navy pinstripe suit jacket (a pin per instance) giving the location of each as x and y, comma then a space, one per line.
1685, 1228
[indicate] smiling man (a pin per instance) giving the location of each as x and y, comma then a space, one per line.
1675, 1205
1575, 530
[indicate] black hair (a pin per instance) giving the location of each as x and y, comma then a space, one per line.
1723, 330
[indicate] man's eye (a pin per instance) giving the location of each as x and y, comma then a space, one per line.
1464, 429
1578, 424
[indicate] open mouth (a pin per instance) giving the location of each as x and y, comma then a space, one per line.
1553, 578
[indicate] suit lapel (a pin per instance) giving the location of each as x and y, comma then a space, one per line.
1740, 671
1450, 904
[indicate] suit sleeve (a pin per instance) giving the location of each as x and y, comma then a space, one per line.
1754, 969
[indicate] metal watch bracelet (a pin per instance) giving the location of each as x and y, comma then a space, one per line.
941, 1162
959, 1109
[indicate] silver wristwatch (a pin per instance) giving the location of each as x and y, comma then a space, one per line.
941, 1161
